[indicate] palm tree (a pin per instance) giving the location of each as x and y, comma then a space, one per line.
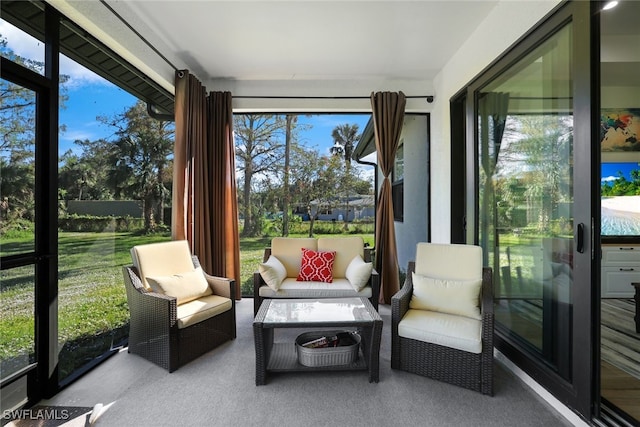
344, 139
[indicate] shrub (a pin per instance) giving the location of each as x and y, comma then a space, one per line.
17, 229
89, 223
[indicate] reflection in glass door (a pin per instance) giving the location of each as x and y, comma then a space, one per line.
526, 195
17, 241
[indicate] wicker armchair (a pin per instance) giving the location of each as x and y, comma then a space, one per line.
156, 330
468, 369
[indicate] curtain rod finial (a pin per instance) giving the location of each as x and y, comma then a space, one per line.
430, 99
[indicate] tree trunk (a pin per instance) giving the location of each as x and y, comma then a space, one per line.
159, 216
248, 229
347, 181
287, 151
311, 221
149, 224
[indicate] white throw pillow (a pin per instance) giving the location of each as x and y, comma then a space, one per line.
459, 297
185, 287
273, 272
358, 272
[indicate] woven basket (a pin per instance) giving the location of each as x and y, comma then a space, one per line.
329, 356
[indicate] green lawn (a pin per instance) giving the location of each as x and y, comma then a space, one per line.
92, 305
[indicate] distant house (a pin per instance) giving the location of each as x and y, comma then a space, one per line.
360, 206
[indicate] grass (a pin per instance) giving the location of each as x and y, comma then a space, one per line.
92, 305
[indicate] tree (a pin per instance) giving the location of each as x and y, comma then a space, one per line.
258, 153
85, 176
315, 182
290, 121
140, 160
17, 139
540, 146
345, 137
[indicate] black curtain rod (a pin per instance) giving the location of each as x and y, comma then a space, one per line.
318, 97
105, 4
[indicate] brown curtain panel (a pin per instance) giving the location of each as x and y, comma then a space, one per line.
205, 209
388, 118
190, 132
223, 211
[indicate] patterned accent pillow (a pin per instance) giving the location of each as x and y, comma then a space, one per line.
316, 266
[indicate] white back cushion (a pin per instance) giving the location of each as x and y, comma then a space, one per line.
272, 272
185, 286
358, 272
288, 250
458, 297
346, 249
449, 261
162, 259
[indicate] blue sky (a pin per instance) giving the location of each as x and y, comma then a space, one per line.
90, 96
610, 170
102, 98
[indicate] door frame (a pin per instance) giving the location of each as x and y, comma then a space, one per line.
579, 393
42, 375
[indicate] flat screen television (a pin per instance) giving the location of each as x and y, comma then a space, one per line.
620, 202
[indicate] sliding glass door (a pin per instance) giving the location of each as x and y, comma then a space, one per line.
531, 139
17, 240
525, 129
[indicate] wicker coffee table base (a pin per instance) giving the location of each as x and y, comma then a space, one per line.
282, 356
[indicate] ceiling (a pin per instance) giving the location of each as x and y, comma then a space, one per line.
306, 48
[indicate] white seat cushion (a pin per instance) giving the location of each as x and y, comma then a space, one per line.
291, 288
459, 332
201, 309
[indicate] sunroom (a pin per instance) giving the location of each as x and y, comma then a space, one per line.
474, 74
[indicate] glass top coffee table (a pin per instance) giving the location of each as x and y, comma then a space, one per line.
356, 314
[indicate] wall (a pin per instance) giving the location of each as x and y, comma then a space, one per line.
131, 208
508, 21
414, 228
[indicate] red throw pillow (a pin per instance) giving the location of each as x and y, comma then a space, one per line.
317, 266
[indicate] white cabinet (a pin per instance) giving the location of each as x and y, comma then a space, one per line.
620, 267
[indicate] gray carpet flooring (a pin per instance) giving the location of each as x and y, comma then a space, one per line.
218, 389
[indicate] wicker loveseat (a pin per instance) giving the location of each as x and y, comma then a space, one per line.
442, 318
177, 312
352, 272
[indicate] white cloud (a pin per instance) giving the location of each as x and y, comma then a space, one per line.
26, 46
21, 43
78, 134
79, 75
609, 178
